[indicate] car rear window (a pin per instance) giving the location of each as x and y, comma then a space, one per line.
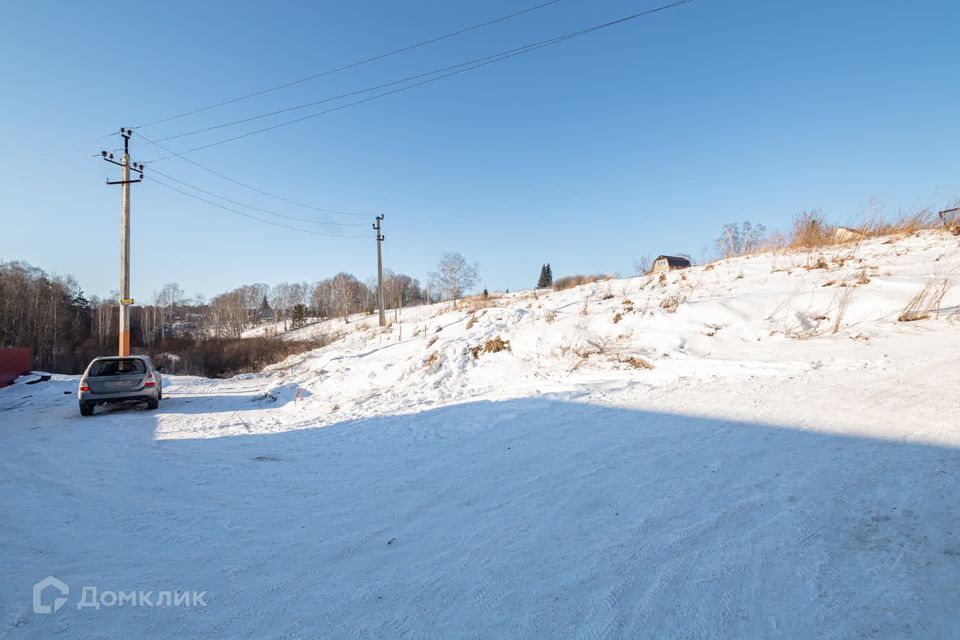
124, 367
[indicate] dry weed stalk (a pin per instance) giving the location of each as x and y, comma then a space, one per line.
926, 301
842, 309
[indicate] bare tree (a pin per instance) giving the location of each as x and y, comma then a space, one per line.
348, 294
453, 276
280, 301
321, 299
642, 265
740, 239
167, 299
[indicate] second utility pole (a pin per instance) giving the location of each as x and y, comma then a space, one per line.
383, 316
124, 182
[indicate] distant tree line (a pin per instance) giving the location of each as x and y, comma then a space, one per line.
65, 329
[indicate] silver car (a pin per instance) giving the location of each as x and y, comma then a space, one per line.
120, 379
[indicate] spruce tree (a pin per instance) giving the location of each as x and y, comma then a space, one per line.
299, 315
542, 281
549, 275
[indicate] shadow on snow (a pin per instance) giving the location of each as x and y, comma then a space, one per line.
523, 518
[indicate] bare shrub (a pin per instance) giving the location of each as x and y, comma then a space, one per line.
642, 265
226, 357
549, 316
592, 347
926, 302
810, 230
670, 304
950, 219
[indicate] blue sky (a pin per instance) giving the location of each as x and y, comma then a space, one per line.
639, 139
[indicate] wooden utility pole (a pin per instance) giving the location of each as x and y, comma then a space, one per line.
124, 182
376, 227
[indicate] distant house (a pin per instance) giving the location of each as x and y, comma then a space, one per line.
669, 263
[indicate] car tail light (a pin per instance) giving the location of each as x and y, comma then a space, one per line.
149, 381
84, 387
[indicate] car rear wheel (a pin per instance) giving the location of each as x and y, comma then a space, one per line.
86, 408
153, 403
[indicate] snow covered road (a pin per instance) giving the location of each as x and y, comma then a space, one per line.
523, 518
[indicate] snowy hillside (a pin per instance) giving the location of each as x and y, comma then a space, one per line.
754, 448
762, 317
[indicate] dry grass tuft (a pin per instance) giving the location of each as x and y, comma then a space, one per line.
926, 302
637, 362
569, 282
475, 303
903, 225
471, 321
819, 264
495, 345
431, 360
617, 317
670, 304
431, 341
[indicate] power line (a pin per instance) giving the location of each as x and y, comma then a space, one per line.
502, 54
352, 65
253, 208
480, 62
247, 186
246, 215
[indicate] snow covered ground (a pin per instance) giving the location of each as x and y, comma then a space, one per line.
788, 467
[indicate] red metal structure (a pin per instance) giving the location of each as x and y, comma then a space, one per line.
14, 362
